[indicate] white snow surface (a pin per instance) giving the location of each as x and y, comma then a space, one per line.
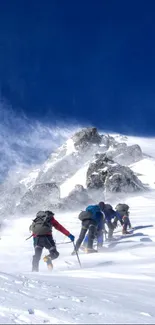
145, 169
29, 181
78, 178
70, 147
116, 286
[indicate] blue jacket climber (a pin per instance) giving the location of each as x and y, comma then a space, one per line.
96, 212
90, 223
107, 215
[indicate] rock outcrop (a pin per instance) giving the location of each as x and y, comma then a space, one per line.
110, 176
77, 198
39, 197
86, 137
125, 155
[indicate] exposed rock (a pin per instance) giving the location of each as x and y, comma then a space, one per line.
86, 137
97, 172
41, 196
122, 179
110, 176
124, 154
134, 153
77, 198
108, 141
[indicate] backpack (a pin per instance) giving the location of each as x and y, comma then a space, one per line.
85, 215
108, 207
122, 208
41, 225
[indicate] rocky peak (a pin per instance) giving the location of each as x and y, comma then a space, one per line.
86, 137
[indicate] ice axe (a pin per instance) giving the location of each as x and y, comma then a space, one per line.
75, 250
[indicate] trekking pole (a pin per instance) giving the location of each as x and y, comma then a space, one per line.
77, 254
28, 237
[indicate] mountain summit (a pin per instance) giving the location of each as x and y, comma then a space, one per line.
105, 161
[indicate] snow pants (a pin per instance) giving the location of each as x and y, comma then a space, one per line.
99, 237
39, 243
90, 226
126, 223
111, 227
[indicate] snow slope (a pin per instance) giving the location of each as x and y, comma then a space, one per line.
116, 286
112, 287
69, 184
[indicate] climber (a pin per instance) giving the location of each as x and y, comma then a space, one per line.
90, 218
99, 236
41, 228
111, 219
123, 210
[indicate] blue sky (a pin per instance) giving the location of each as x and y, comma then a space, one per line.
92, 61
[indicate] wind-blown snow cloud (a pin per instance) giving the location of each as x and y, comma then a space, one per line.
25, 143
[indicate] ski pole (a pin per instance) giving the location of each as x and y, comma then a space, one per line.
28, 237
77, 254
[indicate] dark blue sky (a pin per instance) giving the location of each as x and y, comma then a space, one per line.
90, 60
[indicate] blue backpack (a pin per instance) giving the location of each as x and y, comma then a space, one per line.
95, 212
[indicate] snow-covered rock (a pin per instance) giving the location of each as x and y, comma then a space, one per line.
108, 175
77, 198
86, 137
125, 155
40, 197
108, 141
